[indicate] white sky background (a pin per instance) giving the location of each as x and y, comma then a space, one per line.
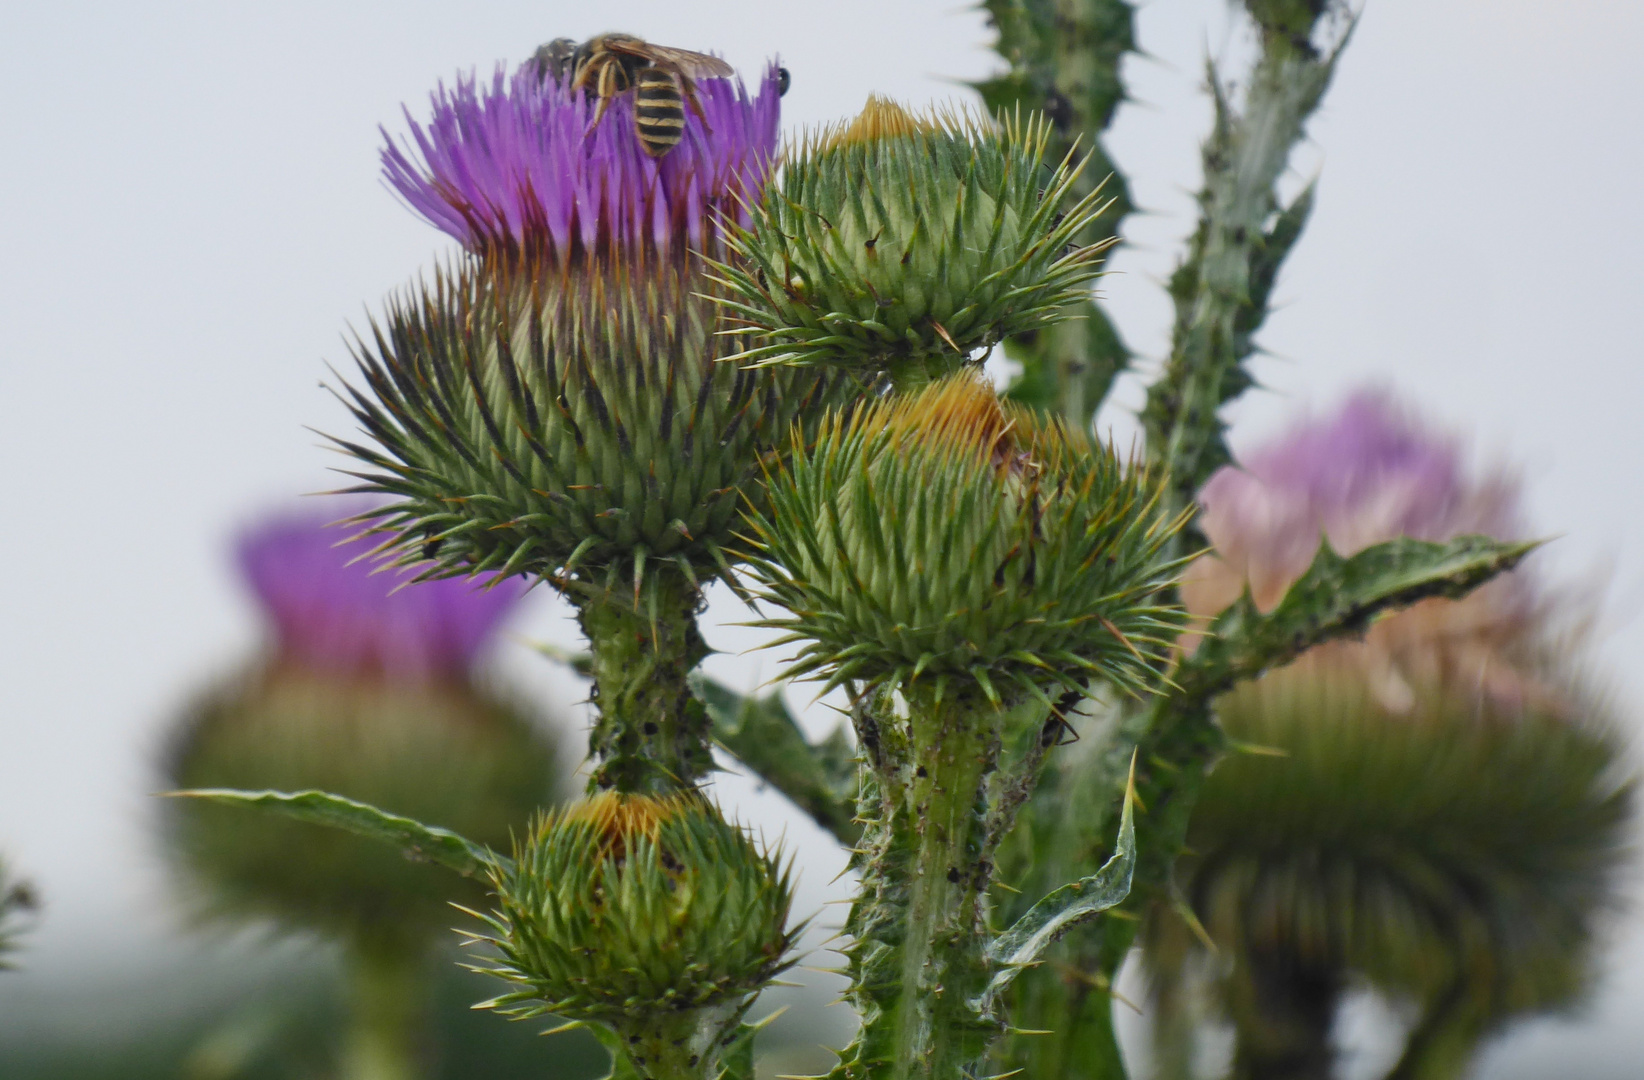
190, 215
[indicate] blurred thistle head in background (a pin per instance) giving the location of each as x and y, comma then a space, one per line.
369, 690
514, 165
1368, 473
1442, 806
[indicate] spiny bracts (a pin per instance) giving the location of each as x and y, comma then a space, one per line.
945, 534
625, 908
902, 239
571, 424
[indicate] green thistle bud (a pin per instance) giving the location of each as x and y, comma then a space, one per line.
432, 749
947, 534
566, 422
909, 242
653, 916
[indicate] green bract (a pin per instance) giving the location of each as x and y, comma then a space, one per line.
559, 420
901, 240
943, 534
436, 751
626, 908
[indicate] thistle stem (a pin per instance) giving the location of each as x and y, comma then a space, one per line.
686, 1045
387, 991
651, 735
918, 961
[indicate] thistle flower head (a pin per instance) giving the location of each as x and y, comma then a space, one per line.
566, 422
331, 609
1368, 473
370, 694
1447, 810
908, 239
626, 907
1459, 847
519, 163
944, 535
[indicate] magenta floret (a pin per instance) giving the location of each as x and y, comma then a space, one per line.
513, 163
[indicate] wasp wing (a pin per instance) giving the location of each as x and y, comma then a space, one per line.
692, 65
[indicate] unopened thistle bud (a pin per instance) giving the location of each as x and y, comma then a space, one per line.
945, 534
652, 916
909, 242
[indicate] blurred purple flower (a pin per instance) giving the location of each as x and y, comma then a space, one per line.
331, 613
1366, 474
514, 163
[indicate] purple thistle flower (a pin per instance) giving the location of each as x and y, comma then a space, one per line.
514, 164
332, 612
1367, 474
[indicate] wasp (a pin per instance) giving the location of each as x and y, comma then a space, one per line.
662, 78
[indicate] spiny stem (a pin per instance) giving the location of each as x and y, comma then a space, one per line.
1065, 58
918, 961
652, 734
1221, 292
678, 1045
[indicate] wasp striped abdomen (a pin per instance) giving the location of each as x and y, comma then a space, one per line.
659, 111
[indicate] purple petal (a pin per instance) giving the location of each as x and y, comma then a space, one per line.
514, 163
1366, 474
333, 612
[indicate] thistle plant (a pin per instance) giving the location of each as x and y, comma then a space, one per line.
956, 563
644, 373
553, 403
1443, 812
373, 696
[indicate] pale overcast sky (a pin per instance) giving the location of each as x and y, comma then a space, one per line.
190, 215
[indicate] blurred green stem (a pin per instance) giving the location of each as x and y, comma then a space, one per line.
1443, 1042
1282, 1019
388, 1002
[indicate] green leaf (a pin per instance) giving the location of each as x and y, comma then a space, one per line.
820, 779
418, 841
1336, 597
1045, 922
